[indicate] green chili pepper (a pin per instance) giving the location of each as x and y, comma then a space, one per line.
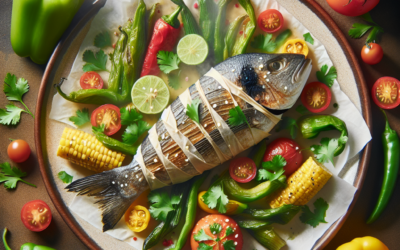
218, 31
207, 21
31, 246
191, 207
232, 188
231, 35
240, 46
4, 239
280, 215
189, 22
391, 149
37, 26
252, 223
311, 127
115, 145
281, 38
269, 239
172, 219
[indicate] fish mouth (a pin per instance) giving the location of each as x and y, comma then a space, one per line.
303, 72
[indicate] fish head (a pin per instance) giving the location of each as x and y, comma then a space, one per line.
273, 80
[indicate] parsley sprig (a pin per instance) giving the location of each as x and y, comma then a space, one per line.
216, 198
308, 38
358, 30
313, 219
325, 152
162, 204
82, 117
14, 89
272, 170
264, 43
215, 230
192, 110
65, 177
327, 76
134, 131
237, 117
168, 61
102, 40
11, 175
129, 116
94, 62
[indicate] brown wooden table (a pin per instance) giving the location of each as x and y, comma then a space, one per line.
59, 236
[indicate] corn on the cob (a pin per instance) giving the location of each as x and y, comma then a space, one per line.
303, 184
85, 150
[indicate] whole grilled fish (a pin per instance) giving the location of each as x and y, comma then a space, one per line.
273, 80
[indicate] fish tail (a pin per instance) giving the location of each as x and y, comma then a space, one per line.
115, 190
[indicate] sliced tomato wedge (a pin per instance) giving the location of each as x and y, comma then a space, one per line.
289, 150
36, 215
242, 169
270, 20
110, 116
316, 97
91, 80
386, 92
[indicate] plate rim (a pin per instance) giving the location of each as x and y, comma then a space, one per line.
75, 28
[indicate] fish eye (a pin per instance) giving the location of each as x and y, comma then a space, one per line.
277, 65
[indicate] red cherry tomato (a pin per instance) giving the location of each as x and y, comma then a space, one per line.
289, 150
224, 222
352, 7
18, 151
316, 97
242, 169
270, 21
110, 116
36, 215
91, 80
386, 92
372, 53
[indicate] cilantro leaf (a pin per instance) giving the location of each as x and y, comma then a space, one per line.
264, 43
10, 115
325, 151
216, 198
302, 109
313, 219
237, 117
102, 40
327, 77
204, 246
66, 178
229, 245
229, 230
99, 129
11, 175
94, 62
215, 228
358, 30
168, 61
161, 205
173, 80
129, 116
308, 38
374, 34
192, 110
81, 118
15, 89
272, 170
202, 236
133, 131
290, 124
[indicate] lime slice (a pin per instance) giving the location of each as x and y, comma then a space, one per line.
150, 94
192, 49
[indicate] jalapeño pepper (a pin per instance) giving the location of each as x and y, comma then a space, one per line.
311, 127
165, 35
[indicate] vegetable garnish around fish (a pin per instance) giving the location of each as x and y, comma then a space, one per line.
177, 148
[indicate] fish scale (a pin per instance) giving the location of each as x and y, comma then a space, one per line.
118, 188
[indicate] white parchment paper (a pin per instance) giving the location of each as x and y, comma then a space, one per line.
337, 192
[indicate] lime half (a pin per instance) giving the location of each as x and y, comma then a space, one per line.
150, 94
192, 49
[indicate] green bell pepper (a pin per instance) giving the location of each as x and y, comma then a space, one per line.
37, 25
31, 246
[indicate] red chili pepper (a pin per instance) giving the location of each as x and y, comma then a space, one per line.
165, 35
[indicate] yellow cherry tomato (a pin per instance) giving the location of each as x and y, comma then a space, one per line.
365, 243
295, 46
137, 218
233, 207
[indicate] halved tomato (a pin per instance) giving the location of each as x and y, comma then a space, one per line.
91, 80
386, 92
215, 226
316, 97
270, 20
110, 116
289, 150
242, 169
36, 215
